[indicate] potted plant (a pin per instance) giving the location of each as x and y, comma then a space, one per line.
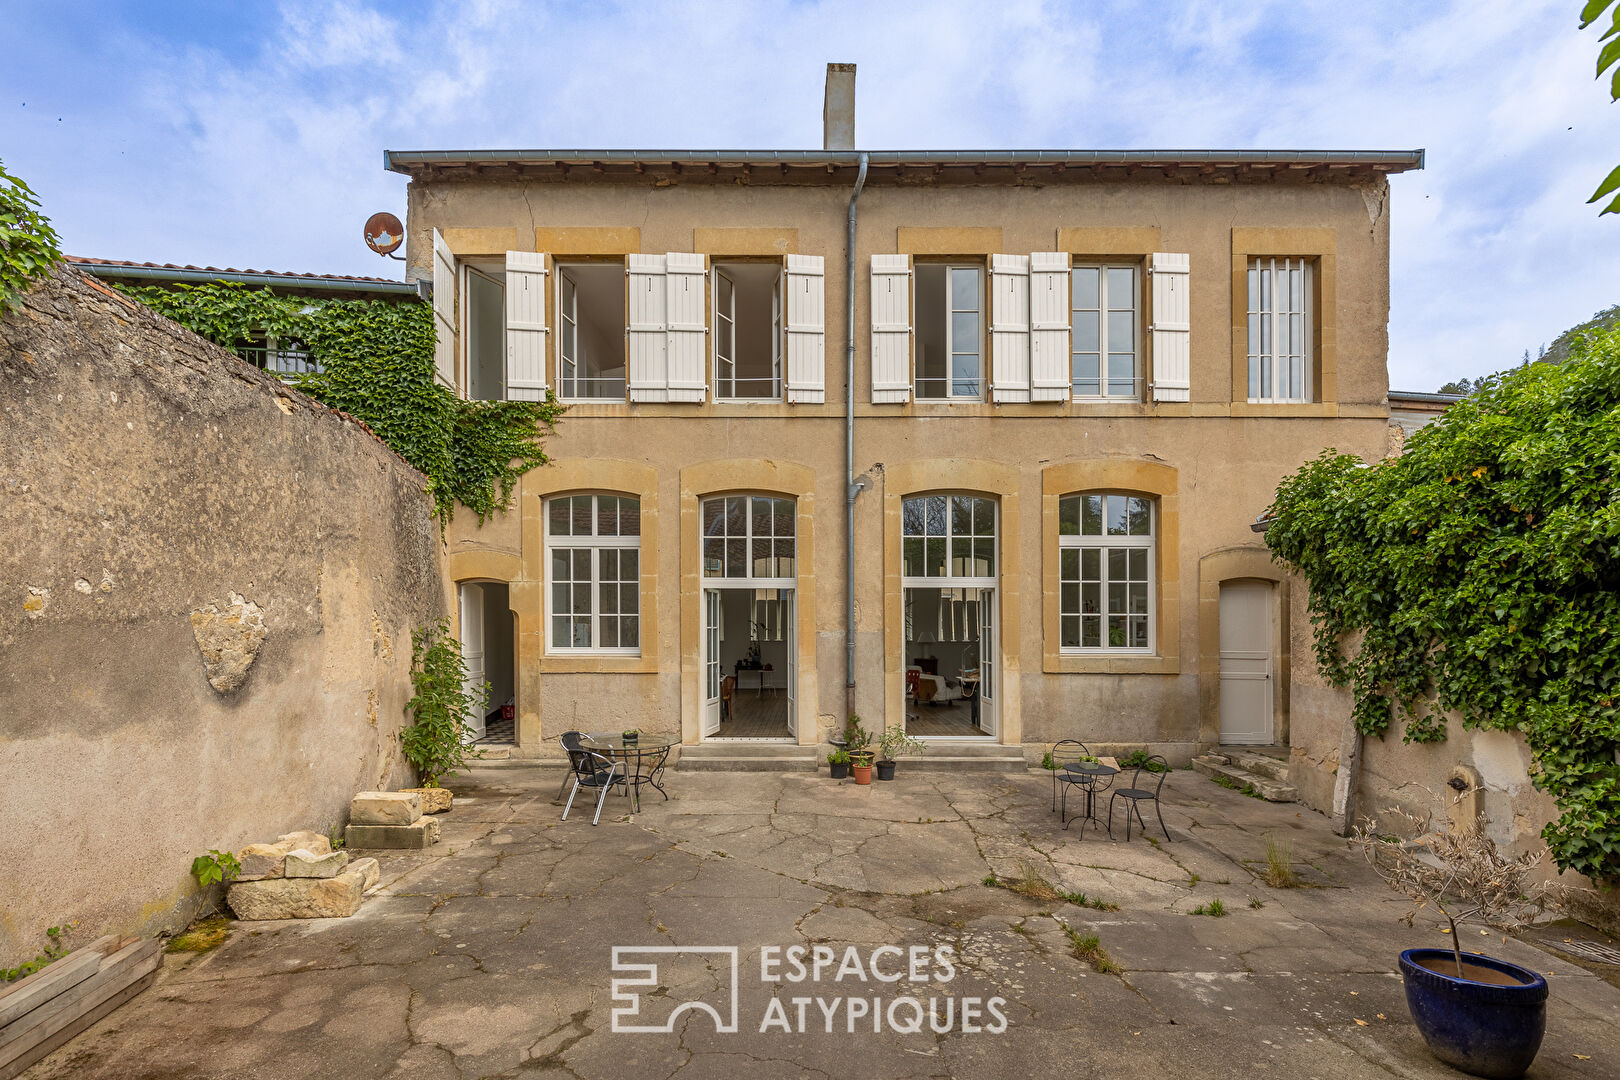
631, 736
1480, 1014
895, 742
838, 764
858, 745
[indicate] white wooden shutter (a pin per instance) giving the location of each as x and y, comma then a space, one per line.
1009, 327
686, 337
1049, 364
891, 328
648, 329
525, 326
1171, 329
444, 311
806, 329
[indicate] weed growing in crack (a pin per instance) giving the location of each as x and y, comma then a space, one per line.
1214, 909
1033, 884
1280, 864
1193, 880
1256, 902
1088, 947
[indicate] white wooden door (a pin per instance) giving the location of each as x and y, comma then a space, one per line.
1246, 683
988, 654
789, 612
711, 661
472, 653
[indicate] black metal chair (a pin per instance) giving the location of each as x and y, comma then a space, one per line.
1066, 752
591, 770
1136, 795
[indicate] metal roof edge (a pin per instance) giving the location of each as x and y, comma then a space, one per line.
297, 281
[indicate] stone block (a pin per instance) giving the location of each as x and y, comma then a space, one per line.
307, 864
313, 842
298, 898
424, 832
260, 861
435, 800
385, 808
368, 869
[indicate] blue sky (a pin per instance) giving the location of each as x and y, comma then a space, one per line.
251, 134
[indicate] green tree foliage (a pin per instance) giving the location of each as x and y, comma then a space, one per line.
1608, 57
28, 244
1563, 346
436, 740
1478, 574
376, 362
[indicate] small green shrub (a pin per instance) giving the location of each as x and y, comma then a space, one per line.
437, 740
838, 757
1215, 909
28, 244
215, 868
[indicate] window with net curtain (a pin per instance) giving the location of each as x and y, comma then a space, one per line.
1105, 572
593, 559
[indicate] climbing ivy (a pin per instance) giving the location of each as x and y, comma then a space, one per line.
1478, 574
376, 362
28, 244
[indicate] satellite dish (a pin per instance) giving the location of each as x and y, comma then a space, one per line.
384, 233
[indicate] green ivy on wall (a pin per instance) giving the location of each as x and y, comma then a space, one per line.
1478, 573
376, 361
28, 244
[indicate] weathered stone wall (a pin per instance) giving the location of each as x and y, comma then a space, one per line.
208, 583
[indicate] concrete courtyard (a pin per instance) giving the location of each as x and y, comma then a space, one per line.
492, 956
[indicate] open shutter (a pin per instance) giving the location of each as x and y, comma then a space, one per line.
525, 326
1049, 363
648, 329
806, 329
444, 311
1009, 327
1171, 329
686, 343
891, 328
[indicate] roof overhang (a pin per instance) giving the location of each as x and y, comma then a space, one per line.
194, 275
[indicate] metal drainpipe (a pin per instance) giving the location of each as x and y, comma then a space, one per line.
851, 490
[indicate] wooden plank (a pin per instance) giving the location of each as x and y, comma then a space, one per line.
40, 987
55, 1042
116, 972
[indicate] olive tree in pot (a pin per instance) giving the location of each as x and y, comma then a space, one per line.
1480, 1014
895, 742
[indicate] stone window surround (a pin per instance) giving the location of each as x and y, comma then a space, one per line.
1319, 247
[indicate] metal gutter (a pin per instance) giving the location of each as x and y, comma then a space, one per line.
289, 281
852, 489
1430, 399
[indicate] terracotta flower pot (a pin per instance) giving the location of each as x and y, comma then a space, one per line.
863, 773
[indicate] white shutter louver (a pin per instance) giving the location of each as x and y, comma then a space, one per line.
806, 329
1171, 329
444, 311
1009, 327
525, 326
891, 328
686, 344
1049, 363
648, 329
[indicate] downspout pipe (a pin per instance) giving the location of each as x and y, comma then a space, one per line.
852, 490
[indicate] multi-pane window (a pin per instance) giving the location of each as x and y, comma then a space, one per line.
1105, 331
948, 536
593, 555
1279, 329
590, 331
749, 537
1105, 572
950, 331
747, 331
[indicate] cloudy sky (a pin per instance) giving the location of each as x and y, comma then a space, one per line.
251, 133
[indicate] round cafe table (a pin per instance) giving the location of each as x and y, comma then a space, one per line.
643, 758
1089, 774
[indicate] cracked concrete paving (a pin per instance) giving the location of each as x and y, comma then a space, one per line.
490, 955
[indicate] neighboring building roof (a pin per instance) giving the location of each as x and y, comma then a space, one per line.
1418, 399
1411, 409
803, 164
170, 273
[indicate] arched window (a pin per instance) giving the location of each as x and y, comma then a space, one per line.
1105, 572
749, 538
593, 559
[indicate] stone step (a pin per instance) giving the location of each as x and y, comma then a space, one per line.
966, 757
1257, 763
1218, 765
747, 757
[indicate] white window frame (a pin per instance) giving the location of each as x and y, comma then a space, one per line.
1270, 368
724, 325
923, 581
950, 343
596, 545
1105, 543
722, 580
1103, 378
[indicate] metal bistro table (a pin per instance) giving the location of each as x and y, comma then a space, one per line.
1092, 772
643, 759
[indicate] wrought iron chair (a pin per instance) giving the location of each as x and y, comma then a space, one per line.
1066, 752
1136, 795
590, 769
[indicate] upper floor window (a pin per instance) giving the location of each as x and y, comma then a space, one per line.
748, 537
484, 323
747, 329
1105, 572
948, 536
1105, 331
593, 557
591, 331
950, 331
1279, 329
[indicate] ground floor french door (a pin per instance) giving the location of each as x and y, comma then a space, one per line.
750, 663
951, 661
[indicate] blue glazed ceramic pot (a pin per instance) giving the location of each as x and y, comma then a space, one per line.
1490, 1029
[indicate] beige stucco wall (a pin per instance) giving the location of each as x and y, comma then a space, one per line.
147, 475
1216, 461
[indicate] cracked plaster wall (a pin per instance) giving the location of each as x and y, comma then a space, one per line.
148, 476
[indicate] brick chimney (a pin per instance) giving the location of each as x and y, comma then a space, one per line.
838, 111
